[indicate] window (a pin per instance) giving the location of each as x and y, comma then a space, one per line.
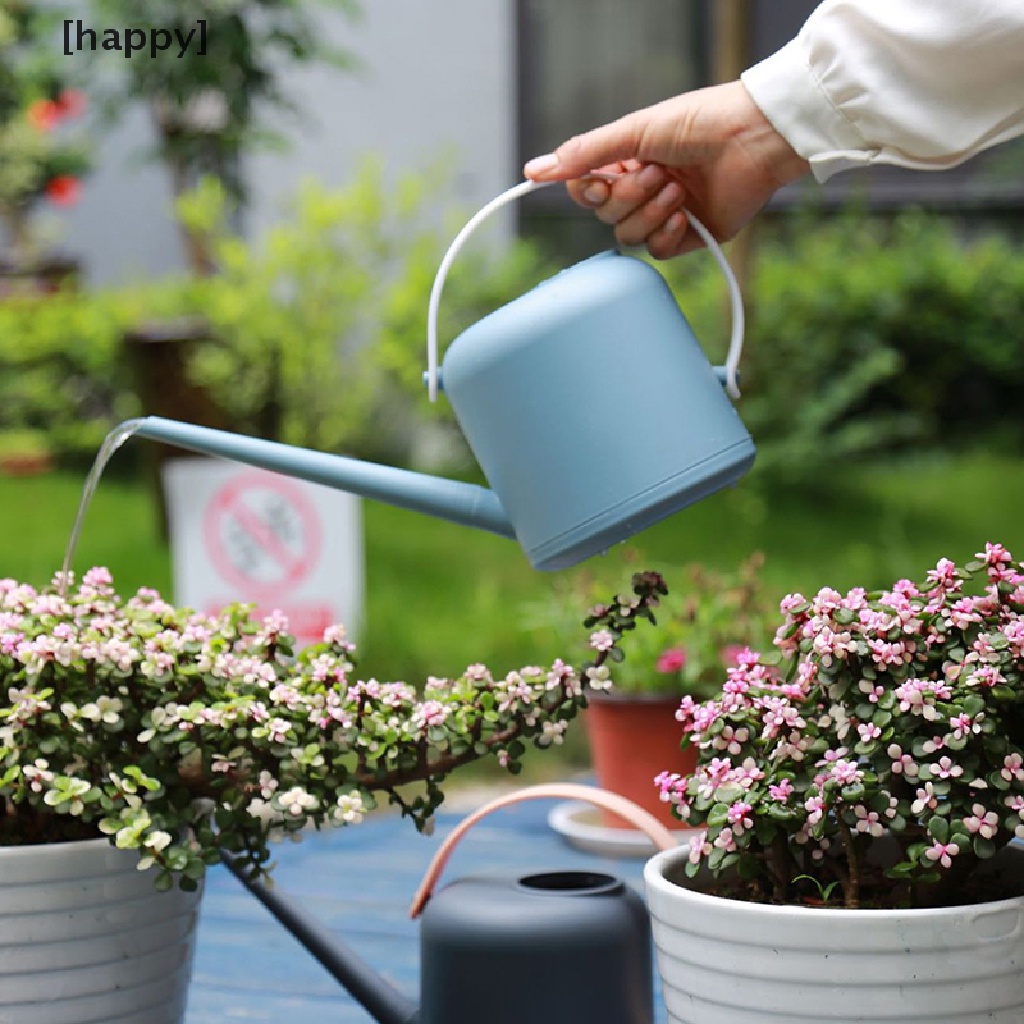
582, 63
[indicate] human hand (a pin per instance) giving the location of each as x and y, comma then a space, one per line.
711, 151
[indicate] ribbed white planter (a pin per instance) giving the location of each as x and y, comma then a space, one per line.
85, 938
729, 962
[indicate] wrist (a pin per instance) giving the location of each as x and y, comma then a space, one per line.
765, 144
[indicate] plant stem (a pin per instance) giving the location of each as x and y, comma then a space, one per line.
779, 861
851, 881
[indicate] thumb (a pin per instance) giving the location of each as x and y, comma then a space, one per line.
619, 140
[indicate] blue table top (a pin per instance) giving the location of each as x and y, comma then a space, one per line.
359, 882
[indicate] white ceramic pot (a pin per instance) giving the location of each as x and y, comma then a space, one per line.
86, 938
728, 962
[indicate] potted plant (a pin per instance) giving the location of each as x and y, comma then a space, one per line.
39, 160
705, 618
177, 736
856, 795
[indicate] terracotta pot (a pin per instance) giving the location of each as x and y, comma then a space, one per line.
633, 737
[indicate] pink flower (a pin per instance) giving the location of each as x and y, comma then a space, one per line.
1013, 768
739, 817
726, 840
846, 772
699, 847
815, 807
673, 659
962, 725
868, 821
782, 791
943, 853
868, 731
945, 769
984, 824
995, 555
731, 654
72, 103
602, 640
926, 800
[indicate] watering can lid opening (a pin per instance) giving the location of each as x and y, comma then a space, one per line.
572, 883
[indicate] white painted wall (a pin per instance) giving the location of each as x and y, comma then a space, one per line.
437, 77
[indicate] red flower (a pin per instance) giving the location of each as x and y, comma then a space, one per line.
44, 115
63, 190
672, 660
71, 103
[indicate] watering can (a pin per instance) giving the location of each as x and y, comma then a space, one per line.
588, 403
545, 948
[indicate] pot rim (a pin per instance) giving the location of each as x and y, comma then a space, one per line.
657, 883
617, 696
32, 849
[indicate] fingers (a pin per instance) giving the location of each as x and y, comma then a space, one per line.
615, 201
619, 140
643, 205
592, 192
672, 238
633, 227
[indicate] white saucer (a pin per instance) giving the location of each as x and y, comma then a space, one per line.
580, 825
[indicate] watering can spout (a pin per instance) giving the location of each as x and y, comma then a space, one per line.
462, 503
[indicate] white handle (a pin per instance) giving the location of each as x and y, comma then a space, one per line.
735, 298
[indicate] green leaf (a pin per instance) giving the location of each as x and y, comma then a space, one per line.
984, 848
938, 829
718, 816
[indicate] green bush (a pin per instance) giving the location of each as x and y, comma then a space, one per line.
868, 337
62, 372
865, 337
321, 326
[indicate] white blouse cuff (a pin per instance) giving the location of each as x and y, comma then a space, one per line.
790, 95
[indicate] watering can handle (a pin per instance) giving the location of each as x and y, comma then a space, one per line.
732, 360
646, 822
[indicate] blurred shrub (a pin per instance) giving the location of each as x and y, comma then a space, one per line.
869, 337
61, 369
865, 338
321, 326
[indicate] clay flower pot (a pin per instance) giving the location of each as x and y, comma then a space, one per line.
633, 737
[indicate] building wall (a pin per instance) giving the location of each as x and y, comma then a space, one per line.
437, 79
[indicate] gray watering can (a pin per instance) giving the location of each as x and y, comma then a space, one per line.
552, 947
588, 403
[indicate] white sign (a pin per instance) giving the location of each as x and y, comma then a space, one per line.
243, 534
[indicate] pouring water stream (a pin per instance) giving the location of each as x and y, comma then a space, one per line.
111, 443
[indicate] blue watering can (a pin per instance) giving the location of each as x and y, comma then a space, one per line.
588, 403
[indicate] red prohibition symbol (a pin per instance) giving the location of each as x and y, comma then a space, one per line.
262, 534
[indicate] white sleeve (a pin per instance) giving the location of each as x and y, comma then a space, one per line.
919, 83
